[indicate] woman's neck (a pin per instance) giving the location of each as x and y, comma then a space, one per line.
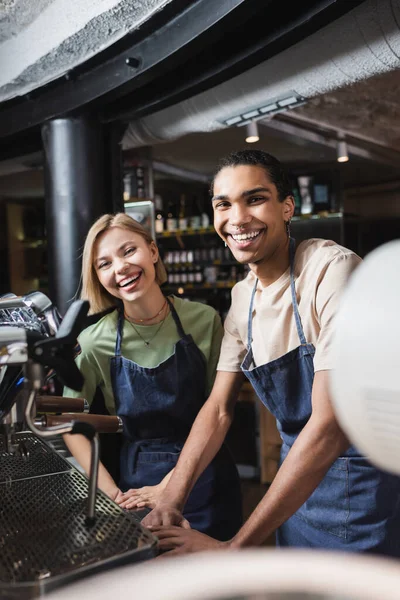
147, 310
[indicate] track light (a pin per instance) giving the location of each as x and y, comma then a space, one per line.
342, 152
252, 132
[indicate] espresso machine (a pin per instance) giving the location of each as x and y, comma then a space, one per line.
55, 524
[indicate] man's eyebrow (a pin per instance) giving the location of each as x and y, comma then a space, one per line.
220, 197
255, 191
244, 194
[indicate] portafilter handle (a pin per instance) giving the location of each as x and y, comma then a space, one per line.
61, 404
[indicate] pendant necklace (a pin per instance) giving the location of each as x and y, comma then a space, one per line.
147, 318
147, 342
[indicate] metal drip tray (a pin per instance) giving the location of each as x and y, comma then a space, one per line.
42, 459
44, 541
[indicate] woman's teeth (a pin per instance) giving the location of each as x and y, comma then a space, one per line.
130, 281
240, 237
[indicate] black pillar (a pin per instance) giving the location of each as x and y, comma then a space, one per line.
76, 180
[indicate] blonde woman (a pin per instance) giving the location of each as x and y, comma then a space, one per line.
153, 358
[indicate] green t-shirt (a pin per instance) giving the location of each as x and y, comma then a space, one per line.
98, 346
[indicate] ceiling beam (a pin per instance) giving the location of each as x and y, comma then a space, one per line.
328, 138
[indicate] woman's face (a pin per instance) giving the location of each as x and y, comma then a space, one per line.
124, 263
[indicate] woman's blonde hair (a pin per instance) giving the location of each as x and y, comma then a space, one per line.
92, 289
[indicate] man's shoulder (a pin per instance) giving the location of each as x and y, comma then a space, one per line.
317, 253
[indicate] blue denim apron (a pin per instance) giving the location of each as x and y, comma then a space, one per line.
356, 506
158, 407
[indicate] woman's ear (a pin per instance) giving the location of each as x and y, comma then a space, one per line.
154, 252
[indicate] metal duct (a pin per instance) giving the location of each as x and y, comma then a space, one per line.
362, 43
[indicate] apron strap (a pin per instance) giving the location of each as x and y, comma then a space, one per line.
176, 319
120, 328
250, 318
299, 326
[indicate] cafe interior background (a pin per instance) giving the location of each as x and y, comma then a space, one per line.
342, 146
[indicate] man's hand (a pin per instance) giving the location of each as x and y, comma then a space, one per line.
176, 540
165, 515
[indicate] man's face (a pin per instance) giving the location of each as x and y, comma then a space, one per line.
248, 215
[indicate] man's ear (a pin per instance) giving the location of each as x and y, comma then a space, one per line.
288, 208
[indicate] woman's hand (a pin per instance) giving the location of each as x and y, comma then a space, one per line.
113, 492
141, 497
176, 540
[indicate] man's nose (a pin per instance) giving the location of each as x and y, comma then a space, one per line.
239, 215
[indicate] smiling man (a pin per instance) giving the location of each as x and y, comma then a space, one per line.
278, 333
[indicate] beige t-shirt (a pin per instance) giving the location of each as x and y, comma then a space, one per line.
321, 270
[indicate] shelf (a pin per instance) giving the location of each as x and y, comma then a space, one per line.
210, 230
226, 285
190, 231
34, 243
203, 263
317, 217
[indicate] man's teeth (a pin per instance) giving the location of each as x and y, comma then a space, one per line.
239, 237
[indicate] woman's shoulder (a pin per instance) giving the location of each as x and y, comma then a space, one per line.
194, 310
98, 326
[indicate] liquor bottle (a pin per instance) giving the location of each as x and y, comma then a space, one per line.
172, 222
195, 219
306, 185
159, 214
297, 201
182, 222
198, 276
191, 275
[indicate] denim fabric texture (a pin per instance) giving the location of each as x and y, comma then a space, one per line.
356, 507
158, 407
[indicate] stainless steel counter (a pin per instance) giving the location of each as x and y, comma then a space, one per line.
44, 539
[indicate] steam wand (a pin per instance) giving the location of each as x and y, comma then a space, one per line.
34, 376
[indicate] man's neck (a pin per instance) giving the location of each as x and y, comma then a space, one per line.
271, 268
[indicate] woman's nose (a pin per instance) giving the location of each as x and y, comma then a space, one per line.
121, 265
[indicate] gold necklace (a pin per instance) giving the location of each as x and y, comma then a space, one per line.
130, 319
147, 342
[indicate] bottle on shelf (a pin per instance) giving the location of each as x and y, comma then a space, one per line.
306, 185
172, 221
182, 221
191, 269
297, 201
159, 214
195, 219
198, 274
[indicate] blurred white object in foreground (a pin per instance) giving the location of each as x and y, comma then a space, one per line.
365, 383
251, 574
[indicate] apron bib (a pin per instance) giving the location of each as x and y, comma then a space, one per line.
158, 407
356, 506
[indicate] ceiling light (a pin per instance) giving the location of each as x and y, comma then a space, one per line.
268, 108
342, 152
252, 133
